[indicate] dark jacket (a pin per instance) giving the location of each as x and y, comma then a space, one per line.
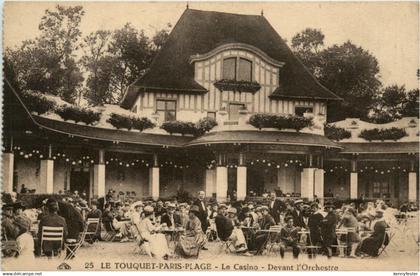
289, 235
329, 223
11, 230
224, 227
165, 219
267, 221
73, 217
314, 225
202, 214
53, 220
276, 209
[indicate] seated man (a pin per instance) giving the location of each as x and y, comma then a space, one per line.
226, 229
289, 237
52, 219
265, 222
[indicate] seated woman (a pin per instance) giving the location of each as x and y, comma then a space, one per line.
352, 238
154, 243
371, 245
194, 239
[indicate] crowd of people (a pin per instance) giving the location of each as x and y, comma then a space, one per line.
162, 229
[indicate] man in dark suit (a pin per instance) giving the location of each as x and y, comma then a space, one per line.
265, 223
52, 219
171, 219
297, 214
202, 212
95, 213
329, 224
314, 225
202, 215
223, 224
276, 207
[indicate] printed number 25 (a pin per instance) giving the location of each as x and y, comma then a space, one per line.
89, 265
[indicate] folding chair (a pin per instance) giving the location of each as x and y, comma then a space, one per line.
341, 245
271, 244
226, 245
9, 248
382, 249
92, 226
52, 234
111, 233
72, 247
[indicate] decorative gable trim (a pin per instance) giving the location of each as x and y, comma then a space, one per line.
237, 46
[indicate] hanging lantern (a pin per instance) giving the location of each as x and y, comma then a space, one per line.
73, 163
26, 156
269, 164
21, 153
278, 166
67, 160
286, 165
41, 156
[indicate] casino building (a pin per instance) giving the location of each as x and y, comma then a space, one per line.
227, 67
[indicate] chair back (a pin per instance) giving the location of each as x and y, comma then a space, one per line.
92, 225
50, 233
275, 228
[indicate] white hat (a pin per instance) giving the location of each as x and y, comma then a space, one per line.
232, 210
148, 209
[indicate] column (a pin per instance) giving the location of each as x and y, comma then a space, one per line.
353, 180
99, 176
8, 162
46, 176
319, 184
412, 182
221, 180
210, 182
307, 180
154, 178
307, 183
241, 178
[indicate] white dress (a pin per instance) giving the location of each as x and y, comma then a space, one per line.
156, 241
26, 246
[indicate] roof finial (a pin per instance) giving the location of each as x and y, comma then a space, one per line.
188, 6
262, 12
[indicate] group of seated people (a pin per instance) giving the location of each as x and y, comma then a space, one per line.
250, 227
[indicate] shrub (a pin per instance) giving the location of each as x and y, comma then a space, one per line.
36, 102
78, 114
120, 121
205, 124
142, 123
280, 122
179, 127
383, 134
336, 133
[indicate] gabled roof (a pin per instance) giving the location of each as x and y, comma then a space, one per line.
198, 32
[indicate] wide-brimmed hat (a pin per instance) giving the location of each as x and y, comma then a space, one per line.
171, 205
298, 201
264, 208
148, 209
232, 210
250, 206
223, 206
194, 208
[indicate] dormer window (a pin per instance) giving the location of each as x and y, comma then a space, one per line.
236, 68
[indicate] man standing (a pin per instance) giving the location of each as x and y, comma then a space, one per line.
329, 224
202, 214
314, 225
276, 207
51, 248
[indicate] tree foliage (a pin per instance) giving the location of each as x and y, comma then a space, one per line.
348, 70
48, 63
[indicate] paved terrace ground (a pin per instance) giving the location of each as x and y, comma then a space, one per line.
401, 255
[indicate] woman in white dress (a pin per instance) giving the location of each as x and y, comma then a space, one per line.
155, 243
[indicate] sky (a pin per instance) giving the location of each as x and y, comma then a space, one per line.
388, 30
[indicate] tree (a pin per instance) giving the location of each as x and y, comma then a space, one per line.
348, 70
131, 50
160, 38
388, 104
307, 45
410, 107
99, 67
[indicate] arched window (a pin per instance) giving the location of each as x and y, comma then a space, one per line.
244, 70
229, 69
